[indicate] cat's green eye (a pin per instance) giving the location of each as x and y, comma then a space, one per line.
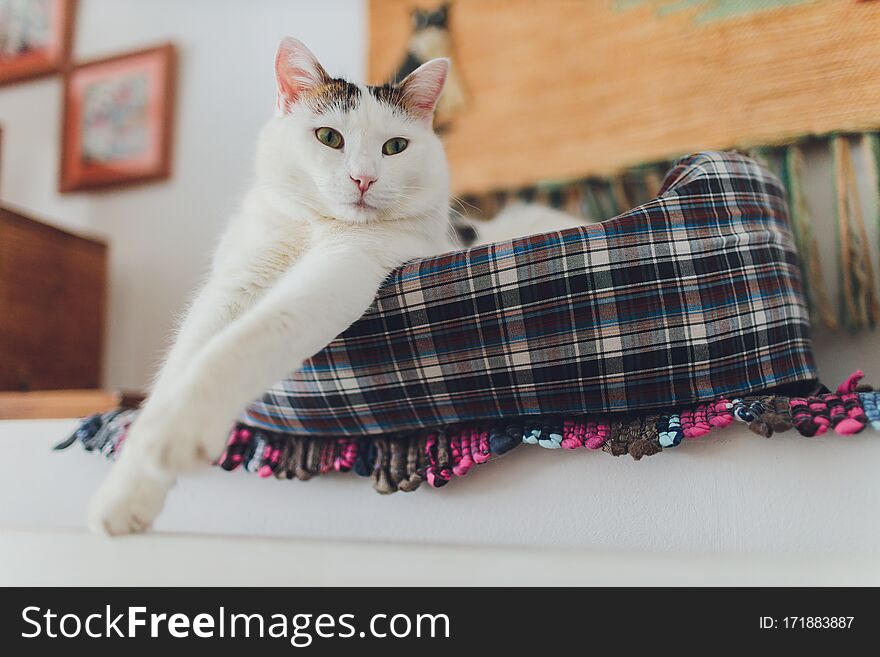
329, 137
394, 146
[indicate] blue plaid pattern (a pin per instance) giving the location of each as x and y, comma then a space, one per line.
692, 296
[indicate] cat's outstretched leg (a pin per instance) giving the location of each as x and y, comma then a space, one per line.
134, 492
327, 290
317, 299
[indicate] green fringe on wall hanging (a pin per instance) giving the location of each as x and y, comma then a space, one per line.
858, 304
805, 240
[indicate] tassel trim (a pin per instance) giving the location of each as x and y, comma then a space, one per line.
402, 462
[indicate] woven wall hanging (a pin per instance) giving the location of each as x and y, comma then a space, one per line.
584, 105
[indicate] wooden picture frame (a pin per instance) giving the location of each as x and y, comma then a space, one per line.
118, 120
50, 26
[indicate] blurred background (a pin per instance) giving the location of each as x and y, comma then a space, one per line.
573, 103
579, 104
127, 130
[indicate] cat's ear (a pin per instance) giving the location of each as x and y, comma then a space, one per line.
297, 71
422, 88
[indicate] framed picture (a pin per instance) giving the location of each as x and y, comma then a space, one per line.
118, 120
35, 38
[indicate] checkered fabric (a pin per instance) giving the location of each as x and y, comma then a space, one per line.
693, 296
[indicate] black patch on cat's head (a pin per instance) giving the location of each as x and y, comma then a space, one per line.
391, 94
334, 93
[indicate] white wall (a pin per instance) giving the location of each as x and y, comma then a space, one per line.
161, 234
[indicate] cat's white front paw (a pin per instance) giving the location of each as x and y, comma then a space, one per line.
163, 441
129, 499
185, 444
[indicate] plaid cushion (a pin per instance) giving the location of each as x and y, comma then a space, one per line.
692, 296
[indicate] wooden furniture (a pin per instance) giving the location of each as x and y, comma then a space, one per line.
55, 404
52, 298
51, 404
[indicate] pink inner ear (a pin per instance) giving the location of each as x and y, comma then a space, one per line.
422, 87
296, 70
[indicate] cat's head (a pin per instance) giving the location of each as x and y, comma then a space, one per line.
353, 152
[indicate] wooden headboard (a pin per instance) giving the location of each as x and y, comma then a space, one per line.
560, 89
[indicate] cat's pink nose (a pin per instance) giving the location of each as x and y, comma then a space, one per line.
363, 182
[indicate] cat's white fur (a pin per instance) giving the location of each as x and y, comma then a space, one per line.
300, 261
519, 220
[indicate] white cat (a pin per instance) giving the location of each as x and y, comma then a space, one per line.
351, 182
520, 220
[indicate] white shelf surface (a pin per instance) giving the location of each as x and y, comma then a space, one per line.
734, 509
